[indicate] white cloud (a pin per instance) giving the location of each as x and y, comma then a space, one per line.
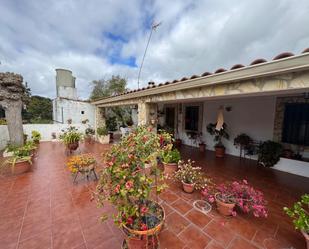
195, 36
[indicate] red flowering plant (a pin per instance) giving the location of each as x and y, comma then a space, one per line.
127, 183
244, 196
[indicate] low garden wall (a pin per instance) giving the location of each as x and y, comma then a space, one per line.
45, 129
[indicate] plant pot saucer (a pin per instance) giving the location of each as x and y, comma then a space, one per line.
202, 206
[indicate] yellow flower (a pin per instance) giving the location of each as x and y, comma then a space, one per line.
75, 163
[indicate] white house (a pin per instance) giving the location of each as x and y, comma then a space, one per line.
66, 106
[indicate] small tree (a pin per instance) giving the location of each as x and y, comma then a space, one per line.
11, 99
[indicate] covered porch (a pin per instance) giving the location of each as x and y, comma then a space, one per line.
44, 209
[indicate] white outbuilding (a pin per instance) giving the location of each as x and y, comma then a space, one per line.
67, 108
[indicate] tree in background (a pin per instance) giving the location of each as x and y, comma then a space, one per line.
39, 110
106, 88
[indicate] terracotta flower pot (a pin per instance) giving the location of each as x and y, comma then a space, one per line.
225, 209
88, 139
170, 168
306, 235
104, 139
72, 146
20, 167
188, 187
220, 152
136, 239
202, 147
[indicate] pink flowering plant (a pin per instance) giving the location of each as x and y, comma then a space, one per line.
190, 174
127, 183
244, 196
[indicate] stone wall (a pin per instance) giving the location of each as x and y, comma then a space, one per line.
279, 115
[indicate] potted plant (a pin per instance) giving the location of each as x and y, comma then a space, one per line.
71, 137
83, 164
170, 160
269, 153
53, 135
89, 133
218, 135
9, 150
200, 142
190, 176
103, 135
36, 137
236, 194
124, 183
300, 215
111, 125
25, 138
20, 161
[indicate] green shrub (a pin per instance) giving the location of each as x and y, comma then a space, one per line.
70, 135
269, 153
102, 131
218, 134
36, 136
89, 131
111, 123
299, 213
2, 121
172, 156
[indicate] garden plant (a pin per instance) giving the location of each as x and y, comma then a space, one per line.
125, 183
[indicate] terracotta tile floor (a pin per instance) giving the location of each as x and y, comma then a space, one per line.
44, 209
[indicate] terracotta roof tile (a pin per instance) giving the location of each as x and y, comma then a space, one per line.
206, 74
220, 70
306, 51
237, 66
258, 61
283, 55
194, 76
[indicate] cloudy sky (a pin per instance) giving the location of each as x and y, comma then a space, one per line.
98, 38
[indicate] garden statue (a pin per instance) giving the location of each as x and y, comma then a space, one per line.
11, 100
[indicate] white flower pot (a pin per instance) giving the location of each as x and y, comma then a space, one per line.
104, 139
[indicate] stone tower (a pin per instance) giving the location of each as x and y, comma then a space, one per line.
65, 84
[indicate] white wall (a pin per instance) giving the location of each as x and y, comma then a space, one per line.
67, 92
45, 130
293, 166
73, 110
253, 116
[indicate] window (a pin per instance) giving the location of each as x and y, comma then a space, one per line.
170, 117
296, 124
82, 112
191, 118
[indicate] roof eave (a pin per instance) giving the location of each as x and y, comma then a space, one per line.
290, 64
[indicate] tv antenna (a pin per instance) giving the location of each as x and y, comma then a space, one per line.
154, 26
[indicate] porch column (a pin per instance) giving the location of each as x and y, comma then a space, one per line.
99, 117
147, 113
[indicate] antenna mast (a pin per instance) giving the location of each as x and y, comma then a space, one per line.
153, 27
